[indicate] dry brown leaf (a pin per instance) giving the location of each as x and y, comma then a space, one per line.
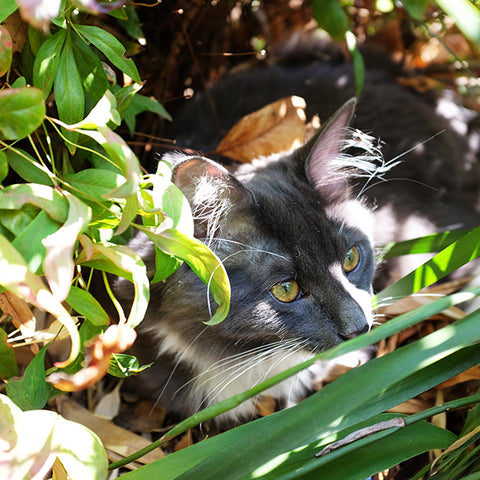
19, 311
117, 440
414, 405
265, 405
185, 441
116, 339
275, 128
147, 416
470, 374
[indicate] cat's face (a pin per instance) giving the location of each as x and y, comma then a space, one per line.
297, 249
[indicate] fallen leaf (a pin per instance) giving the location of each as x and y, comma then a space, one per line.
19, 311
470, 374
265, 405
116, 440
275, 128
185, 441
116, 339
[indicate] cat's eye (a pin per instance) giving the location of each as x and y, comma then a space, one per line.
352, 258
287, 291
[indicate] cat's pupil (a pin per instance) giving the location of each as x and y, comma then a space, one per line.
287, 291
352, 258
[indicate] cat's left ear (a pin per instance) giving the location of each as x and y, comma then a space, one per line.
323, 151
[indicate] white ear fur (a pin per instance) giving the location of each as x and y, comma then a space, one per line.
321, 165
211, 191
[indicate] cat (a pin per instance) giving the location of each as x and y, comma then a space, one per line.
296, 231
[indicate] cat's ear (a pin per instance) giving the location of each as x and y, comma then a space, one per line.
211, 191
321, 165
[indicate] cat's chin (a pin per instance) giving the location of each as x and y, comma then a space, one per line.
215, 385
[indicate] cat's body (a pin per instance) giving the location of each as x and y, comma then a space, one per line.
296, 241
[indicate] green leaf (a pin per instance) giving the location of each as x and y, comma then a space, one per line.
34, 439
202, 261
8, 362
466, 16
123, 366
92, 73
124, 262
358, 63
22, 111
165, 265
46, 62
31, 391
29, 241
331, 17
68, 89
427, 244
416, 8
7, 7
86, 305
54, 203
448, 260
93, 183
141, 104
378, 385
111, 48
5, 51
3, 166
28, 168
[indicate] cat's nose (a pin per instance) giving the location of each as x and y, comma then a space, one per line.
356, 333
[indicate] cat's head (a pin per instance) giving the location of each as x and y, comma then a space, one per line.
296, 246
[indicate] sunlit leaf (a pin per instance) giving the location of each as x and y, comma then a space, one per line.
30, 452
29, 241
466, 15
15, 276
58, 264
87, 305
124, 262
7, 7
15, 196
203, 262
22, 110
46, 62
448, 260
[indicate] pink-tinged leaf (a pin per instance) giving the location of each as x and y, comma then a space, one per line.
58, 264
38, 13
5, 51
123, 261
31, 452
18, 279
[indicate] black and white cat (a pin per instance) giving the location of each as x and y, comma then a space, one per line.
294, 234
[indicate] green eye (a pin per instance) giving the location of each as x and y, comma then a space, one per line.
286, 292
351, 260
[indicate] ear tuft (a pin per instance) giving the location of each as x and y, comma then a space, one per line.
322, 166
211, 191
